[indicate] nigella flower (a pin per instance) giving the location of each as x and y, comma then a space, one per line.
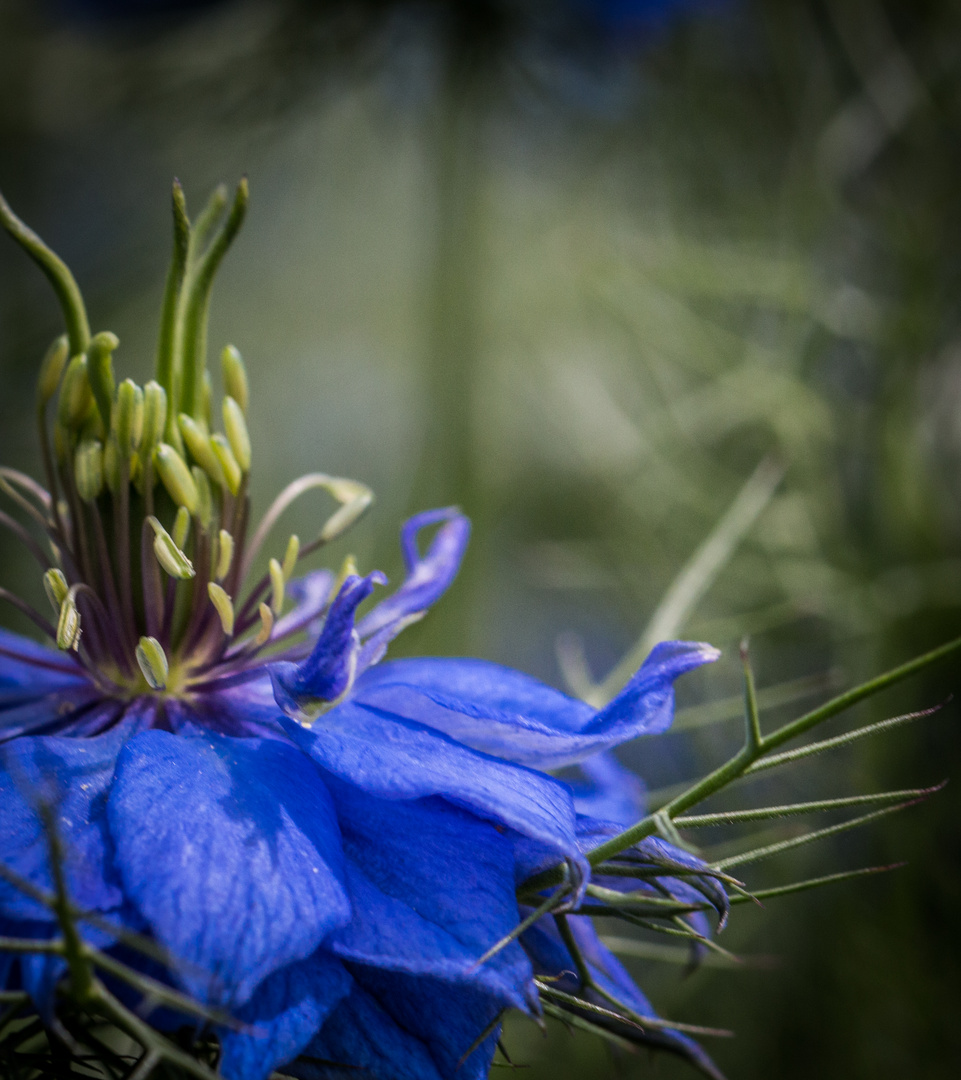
326, 847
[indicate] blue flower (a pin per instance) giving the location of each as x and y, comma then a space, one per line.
322, 845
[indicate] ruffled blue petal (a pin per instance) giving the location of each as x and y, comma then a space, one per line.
402, 1027
329, 671
72, 777
286, 1011
230, 850
432, 889
428, 578
391, 758
510, 715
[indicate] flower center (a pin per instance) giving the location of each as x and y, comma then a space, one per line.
146, 511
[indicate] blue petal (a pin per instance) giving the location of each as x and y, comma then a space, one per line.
432, 889
329, 670
40, 688
360, 1039
428, 578
402, 1027
72, 777
231, 851
392, 758
510, 715
310, 595
286, 1011
611, 792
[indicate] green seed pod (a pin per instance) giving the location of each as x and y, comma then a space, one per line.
76, 396
100, 372
224, 606
232, 471
236, 428
51, 368
153, 663
128, 416
235, 376
197, 442
176, 478
56, 587
225, 554
88, 469
170, 557
205, 504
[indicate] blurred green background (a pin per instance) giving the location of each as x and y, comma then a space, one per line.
580, 267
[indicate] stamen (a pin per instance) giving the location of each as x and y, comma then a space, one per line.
56, 587
233, 474
197, 442
88, 470
181, 527
345, 491
100, 373
224, 606
290, 557
237, 435
76, 397
154, 419
51, 368
128, 417
176, 477
169, 555
153, 663
225, 554
235, 376
25, 538
266, 626
276, 586
68, 623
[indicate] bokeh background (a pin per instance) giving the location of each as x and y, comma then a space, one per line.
580, 266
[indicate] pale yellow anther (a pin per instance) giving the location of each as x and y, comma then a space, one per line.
153, 663
181, 527
154, 417
88, 469
291, 555
68, 623
51, 369
232, 471
224, 606
225, 554
237, 435
170, 557
76, 397
266, 626
277, 583
235, 376
56, 587
198, 443
128, 416
176, 477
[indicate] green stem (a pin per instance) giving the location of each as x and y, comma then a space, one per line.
57, 273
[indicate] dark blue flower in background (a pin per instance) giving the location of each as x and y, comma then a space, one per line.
324, 846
